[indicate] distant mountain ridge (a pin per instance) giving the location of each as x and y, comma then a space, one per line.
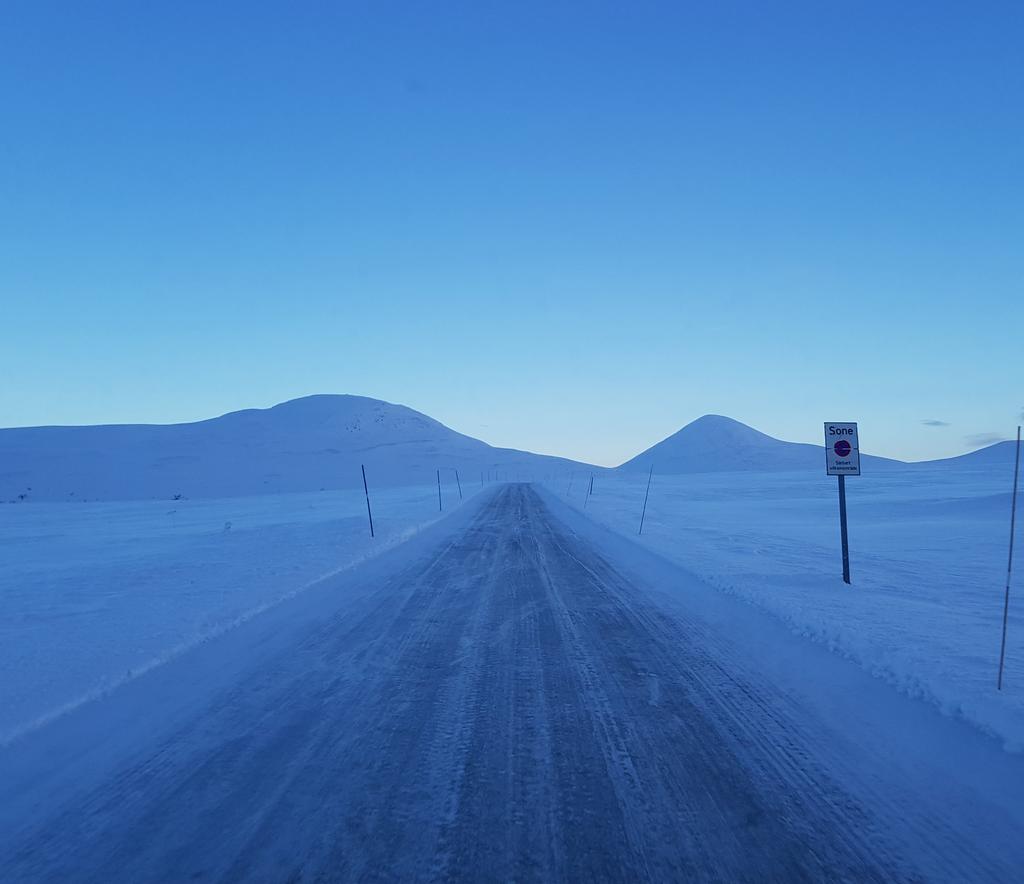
714, 443
998, 453
319, 442
302, 445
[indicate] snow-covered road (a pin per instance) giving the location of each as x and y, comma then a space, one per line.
505, 701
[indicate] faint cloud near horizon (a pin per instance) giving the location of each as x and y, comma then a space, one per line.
977, 440
935, 423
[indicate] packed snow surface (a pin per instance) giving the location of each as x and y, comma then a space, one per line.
928, 549
513, 694
94, 593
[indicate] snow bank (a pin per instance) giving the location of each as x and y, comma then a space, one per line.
928, 552
94, 594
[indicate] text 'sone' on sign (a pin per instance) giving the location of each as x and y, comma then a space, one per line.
842, 450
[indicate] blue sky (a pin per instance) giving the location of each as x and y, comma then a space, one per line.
566, 227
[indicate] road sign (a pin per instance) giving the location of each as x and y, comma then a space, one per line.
842, 459
842, 451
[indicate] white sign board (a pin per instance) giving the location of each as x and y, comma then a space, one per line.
842, 450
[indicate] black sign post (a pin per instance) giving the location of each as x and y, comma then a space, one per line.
842, 529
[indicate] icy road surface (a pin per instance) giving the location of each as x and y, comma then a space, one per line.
504, 704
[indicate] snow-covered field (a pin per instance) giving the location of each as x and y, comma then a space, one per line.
928, 553
93, 594
516, 693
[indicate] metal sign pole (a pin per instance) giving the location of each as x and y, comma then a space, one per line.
842, 529
1009, 563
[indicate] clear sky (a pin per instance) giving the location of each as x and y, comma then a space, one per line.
565, 227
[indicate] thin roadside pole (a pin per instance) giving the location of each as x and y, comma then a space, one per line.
366, 491
567, 490
457, 482
646, 495
590, 490
440, 508
1009, 563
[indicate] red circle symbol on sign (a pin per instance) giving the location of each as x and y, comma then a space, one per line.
842, 448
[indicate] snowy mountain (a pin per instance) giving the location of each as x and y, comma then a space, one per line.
714, 443
999, 454
302, 445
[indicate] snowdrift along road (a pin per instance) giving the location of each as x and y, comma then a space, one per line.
508, 703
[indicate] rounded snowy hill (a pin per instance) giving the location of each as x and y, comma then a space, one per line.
714, 443
303, 445
998, 454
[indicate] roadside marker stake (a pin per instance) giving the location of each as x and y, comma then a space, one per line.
440, 508
457, 482
1009, 563
590, 491
366, 491
647, 494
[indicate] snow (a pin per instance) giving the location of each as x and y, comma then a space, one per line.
714, 443
928, 552
517, 692
309, 444
94, 594
96, 591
